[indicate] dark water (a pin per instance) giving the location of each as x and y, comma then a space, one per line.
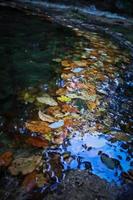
27, 47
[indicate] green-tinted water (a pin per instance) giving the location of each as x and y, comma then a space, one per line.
78, 80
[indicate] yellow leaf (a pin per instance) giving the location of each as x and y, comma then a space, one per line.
64, 98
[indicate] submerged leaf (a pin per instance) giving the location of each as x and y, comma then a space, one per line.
45, 118
46, 99
6, 158
69, 108
61, 91
67, 76
83, 96
66, 63
38, 126
29, 182
68, 122
81, 63
92, 105
64, 98
37, 142
55, 111
25, 165
33, 180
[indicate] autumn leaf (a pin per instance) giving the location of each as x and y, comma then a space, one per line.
6, 158
66, 63
29, 182
33, 180
68, 122
67, 76
46, 99
81, 63
55, 111
25, 165
92, 105
45, 118
61, 91
69, 108
37, 142
38, 126
64, 98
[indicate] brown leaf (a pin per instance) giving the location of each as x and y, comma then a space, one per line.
69, 108
68, 122
25, 165
29, 182
33, 180
38, 126
81, 63
55, 111
6, 158
37, 142
61, 91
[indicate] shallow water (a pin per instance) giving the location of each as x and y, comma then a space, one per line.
97, 137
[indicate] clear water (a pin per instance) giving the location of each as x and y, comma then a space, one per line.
28, 46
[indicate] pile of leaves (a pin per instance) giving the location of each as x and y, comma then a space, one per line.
77, 105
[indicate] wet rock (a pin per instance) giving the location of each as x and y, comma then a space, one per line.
83, 185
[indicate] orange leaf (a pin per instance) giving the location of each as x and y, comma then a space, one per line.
69, 108
68, 122
6, 158
37, 142
38, 126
